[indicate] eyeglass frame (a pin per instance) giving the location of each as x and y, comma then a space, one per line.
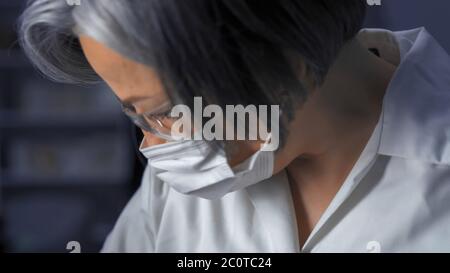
141, 120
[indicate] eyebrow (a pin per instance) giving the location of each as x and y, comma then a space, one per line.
132, 99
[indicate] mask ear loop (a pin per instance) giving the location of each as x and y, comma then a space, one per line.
141, 158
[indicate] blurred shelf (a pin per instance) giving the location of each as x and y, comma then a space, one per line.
18, 4
13, 59
35, 183
10, 123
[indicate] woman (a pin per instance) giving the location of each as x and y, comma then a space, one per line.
363, 161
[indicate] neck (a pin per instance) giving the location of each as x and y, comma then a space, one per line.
333, 126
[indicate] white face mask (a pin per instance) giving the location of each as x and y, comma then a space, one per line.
195, 168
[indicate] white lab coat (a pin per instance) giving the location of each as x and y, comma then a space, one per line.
396, 198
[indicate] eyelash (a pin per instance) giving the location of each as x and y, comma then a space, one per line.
165, 114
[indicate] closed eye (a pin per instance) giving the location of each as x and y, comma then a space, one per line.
162, 112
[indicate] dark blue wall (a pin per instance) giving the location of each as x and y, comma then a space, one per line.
407, 14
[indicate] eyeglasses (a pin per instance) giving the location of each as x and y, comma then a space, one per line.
158, 121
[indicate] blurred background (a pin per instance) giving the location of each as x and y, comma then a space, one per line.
68, 162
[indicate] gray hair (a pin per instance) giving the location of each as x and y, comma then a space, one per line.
226, 51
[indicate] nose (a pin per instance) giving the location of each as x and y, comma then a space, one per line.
151, 140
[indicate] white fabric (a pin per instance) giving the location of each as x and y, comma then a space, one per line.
396, 198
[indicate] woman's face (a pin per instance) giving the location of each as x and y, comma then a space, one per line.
139, 84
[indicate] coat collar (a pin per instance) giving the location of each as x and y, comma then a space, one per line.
416, 108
